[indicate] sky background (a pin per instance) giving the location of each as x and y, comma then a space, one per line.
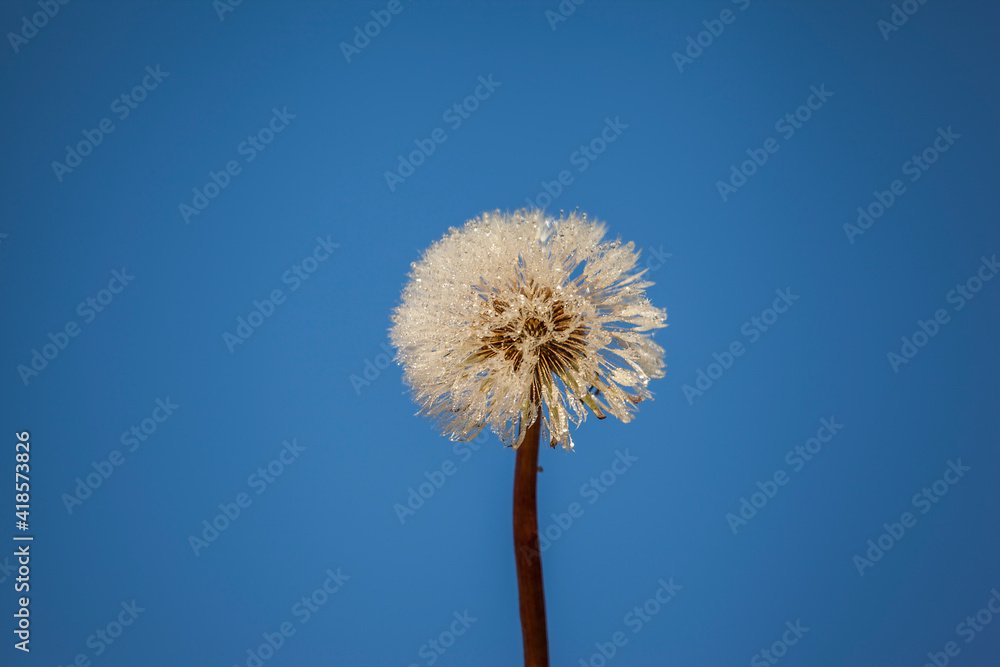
359, 448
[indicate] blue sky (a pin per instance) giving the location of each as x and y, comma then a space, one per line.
200, 247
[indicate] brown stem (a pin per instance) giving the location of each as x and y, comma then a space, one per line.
529, 559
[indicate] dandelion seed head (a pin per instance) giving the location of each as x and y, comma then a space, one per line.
516, 317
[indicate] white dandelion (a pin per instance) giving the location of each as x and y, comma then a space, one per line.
517, 317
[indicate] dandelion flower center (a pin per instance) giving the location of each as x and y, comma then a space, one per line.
535, 328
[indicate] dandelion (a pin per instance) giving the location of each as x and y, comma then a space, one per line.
515, 315
525, 324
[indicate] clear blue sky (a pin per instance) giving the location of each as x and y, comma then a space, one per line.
244, 175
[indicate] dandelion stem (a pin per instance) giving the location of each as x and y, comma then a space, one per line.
526, 553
